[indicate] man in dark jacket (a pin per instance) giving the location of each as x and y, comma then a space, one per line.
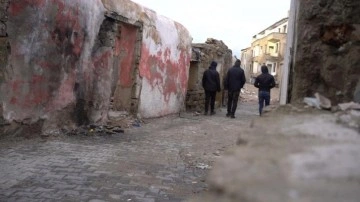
211, 84
264, 82
234, 81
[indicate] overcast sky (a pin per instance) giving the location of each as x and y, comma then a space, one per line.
232, 21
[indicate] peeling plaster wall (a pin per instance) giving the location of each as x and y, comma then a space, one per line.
165, 59
326, 57
50, 51
60, 70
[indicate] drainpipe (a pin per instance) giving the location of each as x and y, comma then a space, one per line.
289, 55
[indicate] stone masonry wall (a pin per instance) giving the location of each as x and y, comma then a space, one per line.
327, 50
4, 46
203, 54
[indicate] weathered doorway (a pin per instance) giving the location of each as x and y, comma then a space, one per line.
125, 68
193, 98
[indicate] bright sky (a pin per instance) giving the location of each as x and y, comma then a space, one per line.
232, 21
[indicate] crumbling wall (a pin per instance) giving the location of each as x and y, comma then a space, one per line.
327, 50
49, 72
164, 63
62, 61
4, 50
202, 55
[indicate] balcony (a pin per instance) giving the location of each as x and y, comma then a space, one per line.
276, 37
272, 57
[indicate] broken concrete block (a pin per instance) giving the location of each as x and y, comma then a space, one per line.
312, 102
324, 102
350, 105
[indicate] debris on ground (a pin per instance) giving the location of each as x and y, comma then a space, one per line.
136, 123
319, 101
241, 141
312, 102
203, 166
324, 102
349, 105
123, 119
349, 115
250, 94
91, 130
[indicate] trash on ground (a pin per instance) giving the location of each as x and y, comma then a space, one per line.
312, 102
203, 166
319, 101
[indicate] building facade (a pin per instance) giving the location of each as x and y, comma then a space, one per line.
246, 63
267, 47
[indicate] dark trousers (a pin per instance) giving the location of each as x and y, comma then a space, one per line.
264, 96
233, 97
210, 99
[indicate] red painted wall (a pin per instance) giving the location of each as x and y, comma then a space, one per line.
56, 60
126, 51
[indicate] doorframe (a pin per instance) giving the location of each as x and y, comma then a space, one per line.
136, 86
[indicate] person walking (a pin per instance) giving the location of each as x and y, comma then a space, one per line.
211, 84
264, 82
234, 81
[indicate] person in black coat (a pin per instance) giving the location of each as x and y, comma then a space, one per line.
234, 81
211, 84
264, 82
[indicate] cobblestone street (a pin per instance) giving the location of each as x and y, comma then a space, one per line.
164, 159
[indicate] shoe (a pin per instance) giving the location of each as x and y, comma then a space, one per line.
212, 113
227, 115
232, 116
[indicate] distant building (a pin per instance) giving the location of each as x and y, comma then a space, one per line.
267, 47
246, 62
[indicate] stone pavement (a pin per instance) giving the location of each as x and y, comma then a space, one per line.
292, 154
166, 159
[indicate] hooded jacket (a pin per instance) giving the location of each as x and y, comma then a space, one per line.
264, 81
211, 78
235, 78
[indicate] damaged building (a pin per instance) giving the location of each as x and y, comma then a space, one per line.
267, 47
202, 55
323, 51
66, 63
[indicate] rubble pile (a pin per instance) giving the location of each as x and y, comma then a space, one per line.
248, 95
93, 129
117, 122
346, 113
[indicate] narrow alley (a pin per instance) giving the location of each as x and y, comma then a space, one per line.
165, 159
104, 101
291, 154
